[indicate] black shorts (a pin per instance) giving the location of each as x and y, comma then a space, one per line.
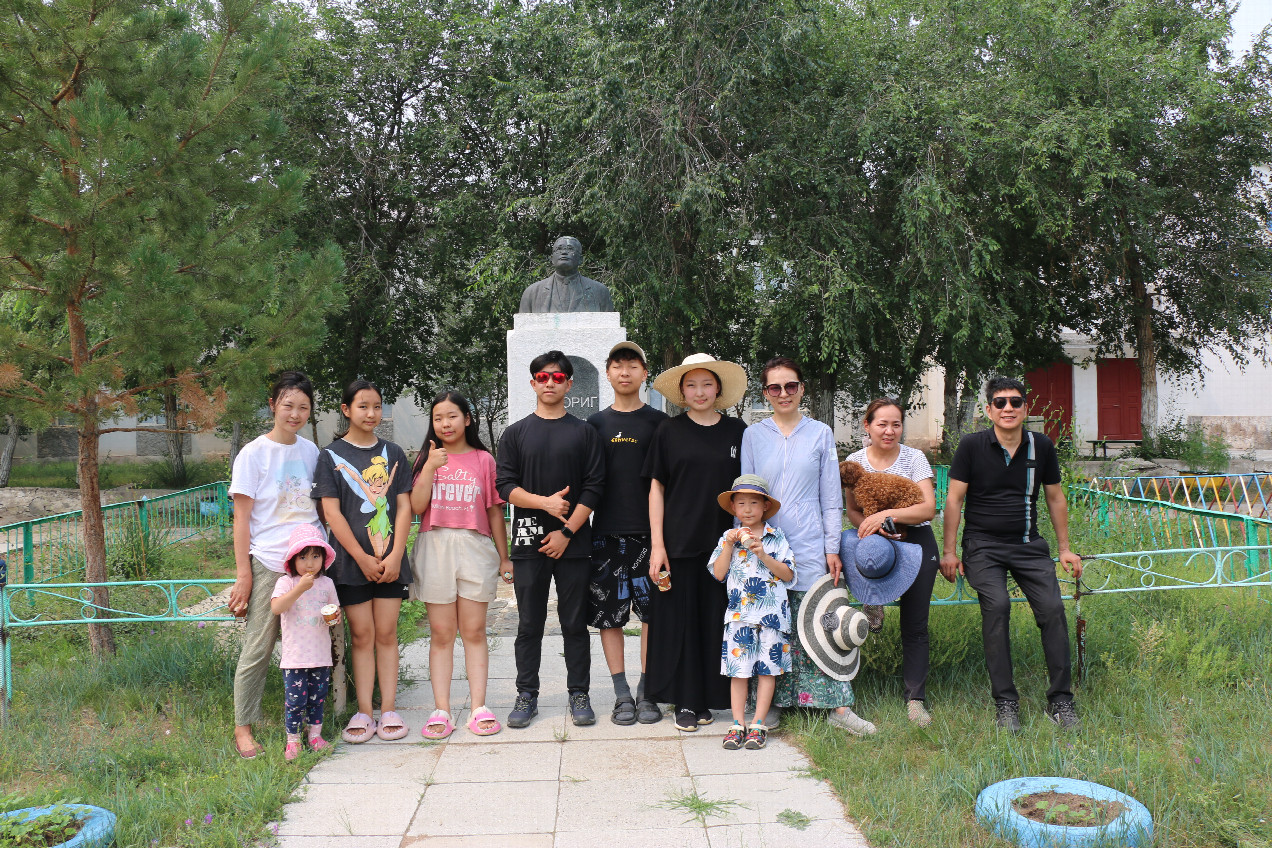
351, 596
619, 582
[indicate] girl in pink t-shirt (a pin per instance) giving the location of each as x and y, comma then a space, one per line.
302, 599
461, 549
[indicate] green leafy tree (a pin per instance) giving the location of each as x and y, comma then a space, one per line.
145, 216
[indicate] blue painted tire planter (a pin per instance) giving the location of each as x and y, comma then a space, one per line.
1133, 828
98, 830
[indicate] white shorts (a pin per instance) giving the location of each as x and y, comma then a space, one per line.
448, 563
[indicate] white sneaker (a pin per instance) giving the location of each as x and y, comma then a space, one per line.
918, 713
851, 722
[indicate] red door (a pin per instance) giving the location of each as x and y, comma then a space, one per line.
1117, 384
1051, 396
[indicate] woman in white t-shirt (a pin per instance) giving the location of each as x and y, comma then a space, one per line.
459, 555
885, 454
270, 485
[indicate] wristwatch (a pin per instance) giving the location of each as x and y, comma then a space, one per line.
567, 532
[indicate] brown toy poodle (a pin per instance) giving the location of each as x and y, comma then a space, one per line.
875, 492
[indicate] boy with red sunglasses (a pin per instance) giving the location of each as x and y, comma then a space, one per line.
551, 469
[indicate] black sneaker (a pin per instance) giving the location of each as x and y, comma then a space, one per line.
686, 720
1007, 715
581, 709
1064, 714
524, 708
704, 718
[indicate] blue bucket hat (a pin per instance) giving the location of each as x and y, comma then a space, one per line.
878, 570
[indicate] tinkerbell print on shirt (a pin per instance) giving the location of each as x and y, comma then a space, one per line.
372, 484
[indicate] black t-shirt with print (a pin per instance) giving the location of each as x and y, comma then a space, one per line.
695, 464
367, 481
625, 438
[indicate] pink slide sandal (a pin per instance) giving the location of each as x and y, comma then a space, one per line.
391, 726
359, 729
438, 726
482, 714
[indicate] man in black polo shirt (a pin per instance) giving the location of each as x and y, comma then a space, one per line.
999, 472
552, 470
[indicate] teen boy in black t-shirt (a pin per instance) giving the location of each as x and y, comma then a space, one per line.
551, 469
999, 472
620, 543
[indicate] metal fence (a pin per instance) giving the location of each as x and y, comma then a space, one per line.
1241, 494
52, 548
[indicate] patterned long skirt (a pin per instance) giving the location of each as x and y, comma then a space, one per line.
806, 685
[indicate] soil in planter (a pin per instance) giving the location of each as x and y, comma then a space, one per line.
55, 827
1067, 809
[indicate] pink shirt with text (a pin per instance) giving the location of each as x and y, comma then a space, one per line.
463, 489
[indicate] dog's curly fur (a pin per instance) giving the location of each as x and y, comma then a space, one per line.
876, 492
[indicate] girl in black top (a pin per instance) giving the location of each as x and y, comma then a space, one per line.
692, 458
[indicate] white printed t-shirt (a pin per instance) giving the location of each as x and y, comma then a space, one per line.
277, 478
306, 636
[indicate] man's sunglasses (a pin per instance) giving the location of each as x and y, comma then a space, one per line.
775, 389
1016, 402
557, 377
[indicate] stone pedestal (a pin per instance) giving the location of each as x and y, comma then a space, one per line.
585, 337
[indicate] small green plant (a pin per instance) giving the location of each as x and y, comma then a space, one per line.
53, 827
134, 551
794, 819
1190, 444
698, 807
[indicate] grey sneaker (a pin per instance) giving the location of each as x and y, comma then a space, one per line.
917, 713
874, 617
524, 709
851, 722
773, 720
1064, 714
1007, 715
581, 709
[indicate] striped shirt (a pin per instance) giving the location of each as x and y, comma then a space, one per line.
910, 464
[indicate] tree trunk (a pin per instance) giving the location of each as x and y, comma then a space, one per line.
959, 396
6, 452
1146, 348
822, 399
236, 441
176, 440
101, 636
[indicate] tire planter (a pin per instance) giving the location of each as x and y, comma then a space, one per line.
1132, 828
98, 830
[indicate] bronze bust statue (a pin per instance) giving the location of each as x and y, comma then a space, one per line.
566, 290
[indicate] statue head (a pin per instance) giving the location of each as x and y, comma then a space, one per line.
567, 255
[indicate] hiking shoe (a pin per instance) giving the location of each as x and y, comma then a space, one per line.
874, 617
1007, 715
686, 720
756, 736
704, 718
733, 739
1064, 714
524, 709
581, 709
917, 713
647, 712
624, 711
773, 720
851, 722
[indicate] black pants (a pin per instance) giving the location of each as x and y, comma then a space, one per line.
916, 604
531, 578
987, 562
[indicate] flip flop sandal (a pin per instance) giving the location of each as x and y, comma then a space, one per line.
360, 722
438, 726
482, 714
624, 711
391, 726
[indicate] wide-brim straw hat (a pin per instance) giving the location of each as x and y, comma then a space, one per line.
830, 630
308, 536
878, 570
752, 483
732, 380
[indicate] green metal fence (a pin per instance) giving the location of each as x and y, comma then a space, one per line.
52, 548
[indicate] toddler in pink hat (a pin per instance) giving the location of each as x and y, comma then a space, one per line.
305, 601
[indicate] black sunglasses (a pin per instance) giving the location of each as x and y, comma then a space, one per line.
1016, 402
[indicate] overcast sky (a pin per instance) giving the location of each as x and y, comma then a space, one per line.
1250, 19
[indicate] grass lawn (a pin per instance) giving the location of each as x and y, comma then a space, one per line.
143, 475
1176, 709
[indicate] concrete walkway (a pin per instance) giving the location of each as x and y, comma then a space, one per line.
554, 784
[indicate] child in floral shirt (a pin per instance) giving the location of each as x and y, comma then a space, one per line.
755, 562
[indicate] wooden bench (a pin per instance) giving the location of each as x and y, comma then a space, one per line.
1103, 444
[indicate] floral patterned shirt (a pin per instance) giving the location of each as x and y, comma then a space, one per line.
755, 594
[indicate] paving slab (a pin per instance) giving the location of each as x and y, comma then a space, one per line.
556, 785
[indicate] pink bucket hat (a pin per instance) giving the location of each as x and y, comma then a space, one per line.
309, 536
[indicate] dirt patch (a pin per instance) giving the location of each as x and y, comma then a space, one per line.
27, 503
1067, 809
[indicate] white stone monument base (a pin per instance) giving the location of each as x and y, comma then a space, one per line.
585, 337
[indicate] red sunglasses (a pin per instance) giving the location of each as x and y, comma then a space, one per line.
557, 377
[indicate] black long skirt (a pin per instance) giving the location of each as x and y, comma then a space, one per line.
686, 631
